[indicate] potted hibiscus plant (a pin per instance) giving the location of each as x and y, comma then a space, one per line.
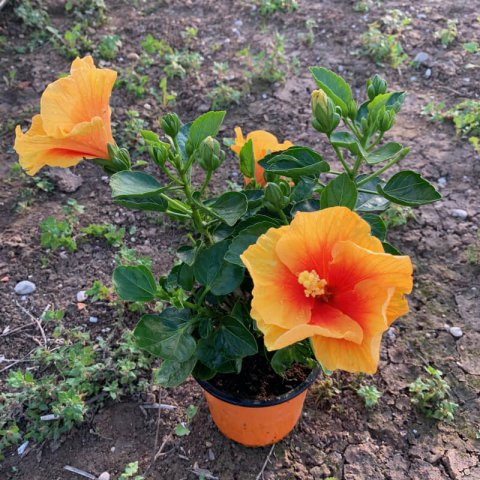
286, 274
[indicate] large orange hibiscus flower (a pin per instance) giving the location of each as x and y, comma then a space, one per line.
74, 120
263, 143
325, 277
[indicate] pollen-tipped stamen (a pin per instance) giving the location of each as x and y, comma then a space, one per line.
314, 285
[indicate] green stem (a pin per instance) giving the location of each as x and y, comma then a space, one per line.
206, 182
283, 217
340, 157
203, 295
177, 204
380, 136
353, 128
170, 175
356, 166
403, 153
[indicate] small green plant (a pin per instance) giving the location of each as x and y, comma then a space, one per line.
55, 234
93, 12
179, 62
434, 111
33, 14
130, 470
398, 215
382, 39
129, 256
449, 34
10, 78
112, 234
471, 47
189, 35
182, 429
431, 395
152, 46
267, 7
168, 97
73, 42
109, 46
133, 83
98, 291
223, 95
370, 395
308, 37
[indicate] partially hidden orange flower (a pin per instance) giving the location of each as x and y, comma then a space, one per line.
325, 277
74, 120
263, 143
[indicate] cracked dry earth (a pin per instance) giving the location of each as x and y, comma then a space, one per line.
336, 436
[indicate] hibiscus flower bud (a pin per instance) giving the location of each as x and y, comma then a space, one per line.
376, 86
160, 153
386, 121
170, 124
119, 157
325, 114
274, 198
209, 154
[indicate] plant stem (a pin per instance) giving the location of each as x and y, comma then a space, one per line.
340, 157
403, 153
206, 182
283, 216
380, 136
353, 128
203, 295
356, 166
177, 204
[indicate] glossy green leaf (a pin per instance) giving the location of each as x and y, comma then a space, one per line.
379, 228
410, 189
295, 162
134, 283
311, 205
247, 159
385, 152
390, 249
153, 203
167, 335
334, 86
345, 140
187, 254
370, 202
393, 100
230, 207
128, 183
172, 372
286, 357
303, 190
243, 240
202, 372
204, 126
341, 191
182, 138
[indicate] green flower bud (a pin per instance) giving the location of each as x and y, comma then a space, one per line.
376, 86
170, 124
119, 157
274, 198
326, 116
209, 154
352, 110
160, 153
386, 121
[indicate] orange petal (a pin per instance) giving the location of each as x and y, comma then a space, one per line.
36, 149
277, 296
353, 264
78, 98
397, 307
239, 141
312, 235
336, 354
265, 142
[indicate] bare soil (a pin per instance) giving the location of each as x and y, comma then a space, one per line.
336, 436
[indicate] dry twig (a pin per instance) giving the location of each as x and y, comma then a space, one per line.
260, 475
36, 320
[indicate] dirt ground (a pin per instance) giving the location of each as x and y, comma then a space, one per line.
336, 436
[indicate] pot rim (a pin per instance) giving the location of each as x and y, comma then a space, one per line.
261, 403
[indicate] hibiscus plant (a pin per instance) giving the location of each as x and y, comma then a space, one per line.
293, 266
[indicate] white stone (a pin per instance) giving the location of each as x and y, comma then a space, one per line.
81, 296
456, 332
93, 319
25, 287
459, 213
104, 476
442, 182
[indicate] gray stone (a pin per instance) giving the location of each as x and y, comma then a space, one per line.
81, 296
65, 180
459, 213
421, 58
25, 287
442, 182
104, 476
455, 332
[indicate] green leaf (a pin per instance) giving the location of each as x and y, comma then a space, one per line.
383, 153
187, 254
202, 372
285, 357
390, 249
127, 184
410, 189
368, 202
334, 86
212, 271
341, 191
182, 138
230, 341
172, 372
379, 229
393, 100
167, 335
243, 240
345, 140
181, 430
204, 126
312, 205
303, 190
191, 411
134, 283
151, 138
247, 159
295, 162
230, 207
153, 203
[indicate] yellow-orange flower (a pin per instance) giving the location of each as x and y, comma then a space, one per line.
263, 143
325, 277
74, 120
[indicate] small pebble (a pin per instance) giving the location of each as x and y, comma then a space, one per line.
456, 332
211, 455
21, 449
104, 179
459, 213
93, 319
442, 182
133, 56
112, 449
81, 296
104, 476
25, 287
208, 444
428, 73
147, 106
421, 58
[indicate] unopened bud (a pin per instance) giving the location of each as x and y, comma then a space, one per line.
274, 198
119, 157
170, 124
209, 154
326, 116
386, 121
376, 86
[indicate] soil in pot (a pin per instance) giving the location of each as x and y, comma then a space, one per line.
258, 380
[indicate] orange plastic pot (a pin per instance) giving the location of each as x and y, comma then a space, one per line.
257, 423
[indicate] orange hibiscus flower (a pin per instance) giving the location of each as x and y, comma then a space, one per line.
263, 143
325, 277
74, 120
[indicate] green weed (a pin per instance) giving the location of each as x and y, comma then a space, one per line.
112, 234
267, 7
449, 34
370, 395
33, 14
308, 37
398, 215
130, 470
471, 47
98, 291
109, 46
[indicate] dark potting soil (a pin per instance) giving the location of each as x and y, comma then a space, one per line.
258, 381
